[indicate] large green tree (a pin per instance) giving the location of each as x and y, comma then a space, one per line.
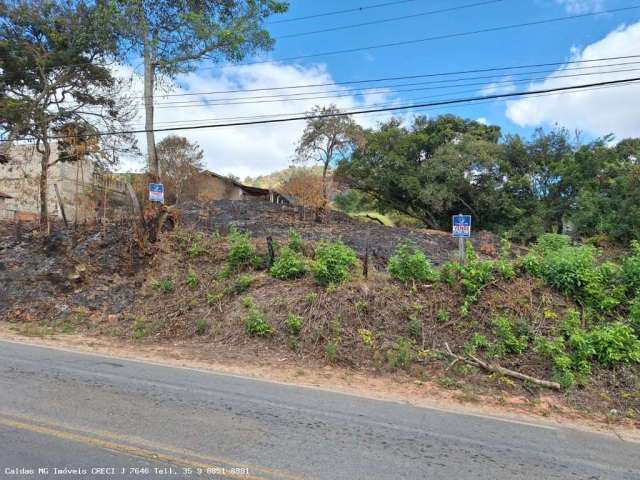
56, 82
171, 36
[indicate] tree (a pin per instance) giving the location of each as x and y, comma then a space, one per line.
305, 188
429, 170
328, 137
179, 161
173, 35
56, 82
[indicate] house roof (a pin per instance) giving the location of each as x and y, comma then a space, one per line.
246, 188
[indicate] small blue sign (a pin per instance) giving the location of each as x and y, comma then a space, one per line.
461, 226
156, 192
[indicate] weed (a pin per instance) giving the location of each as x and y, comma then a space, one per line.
247, 302
408, 265
362, 306
366, 336
164, 285
508, 341
414, 328
143, 328
240, 284
401, 355
241, 251
255, 324
289, 265
213, 298
442, 316
293, 343
294, 323
201, 326
311, 297
192, 280
448, 383
295, 240
475, 343
331, 351
332, 263
195, 250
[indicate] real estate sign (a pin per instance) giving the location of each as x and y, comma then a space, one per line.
461, 226
156, 192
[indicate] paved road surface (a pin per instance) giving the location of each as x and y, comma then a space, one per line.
60, 409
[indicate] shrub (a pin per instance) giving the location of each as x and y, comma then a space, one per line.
256, 325
408, 264
332, 263
213, 298
449, 272
195, 249
442, 316
295, 240
240, 284
474, 275
201, 326
509, 342
331, 351
294, 323
475, 343
401, 355
192, 280
634, 314
164, 285
551, 242
366, 336
241, 251
615, 343
289, 265
311, 297
631, 269
247, 302
414, 328
143, 328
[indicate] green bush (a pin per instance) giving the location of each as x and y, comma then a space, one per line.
295, 240
195, 249
331, 351
201, 326
294, 323
192, 280
408, 264
631, 269
289, 265
508, 340
634, 314
240, 284
474, 275
247, 302
475, 343
551, 242
414, 328
615, 343
164, 285
332, 263
256, 325
401, 355
241, 251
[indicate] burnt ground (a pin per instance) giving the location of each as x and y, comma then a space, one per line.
264, 219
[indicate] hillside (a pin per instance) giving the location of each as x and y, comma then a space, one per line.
467, 329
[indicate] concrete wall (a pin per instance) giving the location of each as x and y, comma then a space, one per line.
80, 189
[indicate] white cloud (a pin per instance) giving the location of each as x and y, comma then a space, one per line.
482, 120
597, 111
253, 150
503, 86
577, 7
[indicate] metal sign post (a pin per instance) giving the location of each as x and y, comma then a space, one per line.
461, 229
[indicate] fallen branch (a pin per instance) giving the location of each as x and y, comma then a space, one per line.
491, 367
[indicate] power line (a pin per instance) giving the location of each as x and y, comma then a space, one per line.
389, 20
340, 12
304, 117
445, 36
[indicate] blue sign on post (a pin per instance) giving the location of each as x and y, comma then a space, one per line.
461, 226
156, 192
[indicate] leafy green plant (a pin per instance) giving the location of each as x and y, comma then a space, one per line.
165, 285
414, 328
366, 336
631, 269
213, 298
201, 326
474, 275
475, 343
247, 302
615, 343
401, 355
240, 284
331, 351
196, 249
332, 263
192, 280
295, 240
240, 251
255, 324
294, 323
289, 265
442, 316
408, 264
143, 328
311, 297
508, 341
634, 314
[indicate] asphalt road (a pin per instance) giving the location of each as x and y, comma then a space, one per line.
83, 412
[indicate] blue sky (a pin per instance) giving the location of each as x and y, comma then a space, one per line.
254, 150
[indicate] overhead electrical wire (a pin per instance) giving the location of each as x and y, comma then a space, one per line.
389, 20
340, 12
306, 116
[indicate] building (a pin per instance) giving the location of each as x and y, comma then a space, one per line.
80, 186
209, 186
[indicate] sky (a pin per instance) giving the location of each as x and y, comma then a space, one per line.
256, 150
